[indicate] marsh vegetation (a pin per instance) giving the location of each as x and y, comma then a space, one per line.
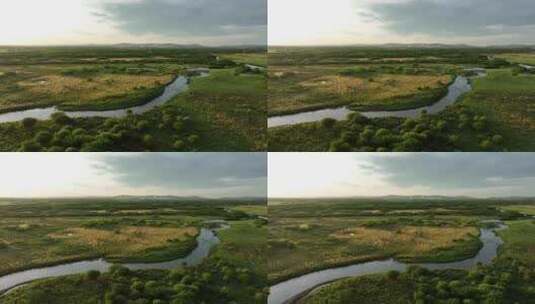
307, 236
224, 111
57, 231
496, 115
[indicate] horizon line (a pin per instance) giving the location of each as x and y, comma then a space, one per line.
404, 44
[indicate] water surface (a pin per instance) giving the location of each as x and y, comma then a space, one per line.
179, 85
286, 292
206, 240
460, 86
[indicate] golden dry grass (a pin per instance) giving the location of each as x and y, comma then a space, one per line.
126, 239
99, 87
410, 239
382, 87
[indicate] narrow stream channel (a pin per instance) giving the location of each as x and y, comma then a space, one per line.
179, 85
289, 291
459, 87
206, 240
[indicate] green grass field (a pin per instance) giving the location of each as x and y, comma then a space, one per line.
234, 271
223, 112
309, 235
508, 102
228, 107
496, 116
508, 280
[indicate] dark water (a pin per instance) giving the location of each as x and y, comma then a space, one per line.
179, 85
287, 291
460, 86
206, 240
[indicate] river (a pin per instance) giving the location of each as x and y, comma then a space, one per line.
288, 291
458, 88
206, 240
179, 85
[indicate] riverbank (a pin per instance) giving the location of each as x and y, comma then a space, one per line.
204, 242
284, 293
439, 100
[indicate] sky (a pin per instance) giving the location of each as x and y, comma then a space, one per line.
74, 22
212, 175
310, 175
342, 22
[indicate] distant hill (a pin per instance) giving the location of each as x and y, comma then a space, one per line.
408, 198
420, 46
135, 199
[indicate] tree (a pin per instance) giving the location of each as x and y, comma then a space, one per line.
30, 146
339, 146
328, 123
392, 275
60, 118
43, 137
93, 275
29, 123
192, 139
142, 125
486, 145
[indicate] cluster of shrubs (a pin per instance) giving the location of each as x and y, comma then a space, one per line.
130, 133
492, 284
425, 133
221, 282
503, 282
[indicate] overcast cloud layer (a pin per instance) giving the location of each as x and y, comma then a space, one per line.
363, 174
232, 174
494, 21
233, 21
481, 174
108, 174
342, 22
75, 22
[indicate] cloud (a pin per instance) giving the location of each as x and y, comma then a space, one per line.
479, 173
454, 18
229, 174
234, 21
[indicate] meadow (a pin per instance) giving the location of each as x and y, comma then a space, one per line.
496, 115
309, 235
509, 279
222, 112
123, 230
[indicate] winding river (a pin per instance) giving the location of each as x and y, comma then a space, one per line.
459, 87
289, 291
206, 240
179, 85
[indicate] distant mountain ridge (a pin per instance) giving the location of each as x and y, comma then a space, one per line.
143, 198
422, 46
412, 197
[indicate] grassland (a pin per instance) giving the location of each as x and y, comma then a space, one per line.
524, 209
497, 115
315, 234
223, 112
518, 242
249, 58
116, 231
519, 58
507, 100
83, 87
305, 235
229, 107
28, 242
373, 87
234, 271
